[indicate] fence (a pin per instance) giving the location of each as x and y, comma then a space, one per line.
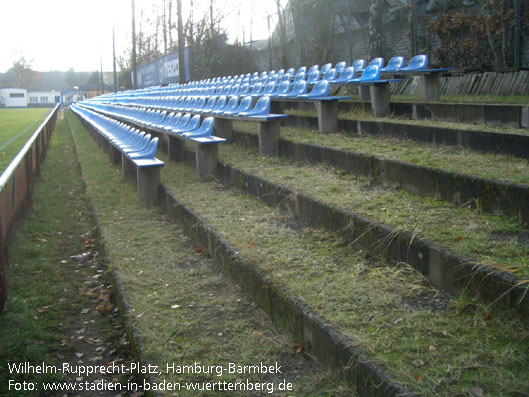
16, 189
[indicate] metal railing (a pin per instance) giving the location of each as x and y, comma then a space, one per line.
16, 189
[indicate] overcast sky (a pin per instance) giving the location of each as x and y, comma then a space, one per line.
64, 34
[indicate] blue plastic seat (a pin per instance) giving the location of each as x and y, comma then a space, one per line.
262, 108
184, 120
193, 124
257, 89
418, 62
231, 105
313, 68
291, 71
372, 73
148, 153
393, 64
206, 129
244, 106
325, 68
219, 106
302, 69
299, 88
245, 88
340, 67
210, 104
320, 90
329, 75
299, 76
282, 88
359, 64
379, 61
347, 74
313, 77
269, 88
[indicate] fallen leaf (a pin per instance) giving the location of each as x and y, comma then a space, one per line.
477, 391
43, 309
417, 377
432, 348
257, 334
512, 335
175, 306
85, 311
418, 362
296, 347
79, 355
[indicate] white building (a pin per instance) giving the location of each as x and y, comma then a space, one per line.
43, 98
13, 97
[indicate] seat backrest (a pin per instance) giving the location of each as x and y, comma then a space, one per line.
201, 102
194, 123
394, 64
283, 88
291, 71
245, 88
269, 88
313, 68
418, 62
221, 102
302, 69
321, 89
299, 76
313, 77
299, 88
206, 128
257, 88
232, 103
245, 105
379, 61
339, 67
329, 75
211, 103
262, 106
359, 64
184, 120
372, 73
325, 68
347, 74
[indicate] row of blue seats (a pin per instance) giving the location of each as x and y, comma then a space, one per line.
186, 126
196, 100
269, 81
132, 142
155, 115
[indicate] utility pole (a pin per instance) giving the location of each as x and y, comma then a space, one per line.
269, 44
114, 61
211, 17
181, 44
134, 73
101, 69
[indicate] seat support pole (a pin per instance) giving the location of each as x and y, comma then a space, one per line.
268, 135
148, 181
224, 128
431, 91
327, 116
206, 157
380, 97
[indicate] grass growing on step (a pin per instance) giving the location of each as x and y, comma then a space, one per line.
185, 311
486, 238
437, 345
449, 158
366, 115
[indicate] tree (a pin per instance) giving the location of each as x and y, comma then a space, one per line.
23, 72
